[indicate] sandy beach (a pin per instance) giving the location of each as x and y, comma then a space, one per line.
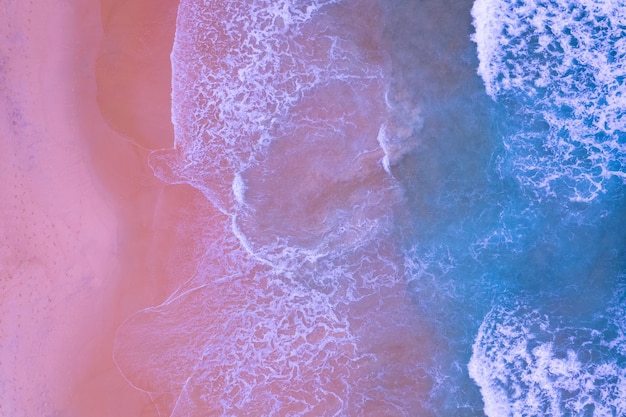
89, 235
84, 97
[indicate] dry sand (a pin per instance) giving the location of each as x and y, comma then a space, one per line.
84, 96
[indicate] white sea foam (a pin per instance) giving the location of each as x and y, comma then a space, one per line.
398, 135
236, 75
560, 66
239, 188
260, 341
238, 78
526, 365
277, 134
258, 348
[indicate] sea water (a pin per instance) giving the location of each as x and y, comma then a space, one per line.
413, 208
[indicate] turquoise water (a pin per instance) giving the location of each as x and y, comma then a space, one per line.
519, 233
417, 209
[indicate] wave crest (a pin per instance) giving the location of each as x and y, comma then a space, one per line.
529, 364
558, 67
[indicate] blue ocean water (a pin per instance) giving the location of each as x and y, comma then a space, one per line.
417, 209
517, 244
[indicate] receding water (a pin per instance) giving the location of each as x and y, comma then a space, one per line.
420, 211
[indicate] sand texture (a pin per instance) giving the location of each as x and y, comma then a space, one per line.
83, 98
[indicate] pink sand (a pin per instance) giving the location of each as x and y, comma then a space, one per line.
77, 200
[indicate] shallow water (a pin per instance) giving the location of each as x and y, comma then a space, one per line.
403, 218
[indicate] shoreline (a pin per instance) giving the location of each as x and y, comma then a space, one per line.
98, 103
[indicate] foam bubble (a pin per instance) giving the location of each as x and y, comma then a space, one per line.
559, 68
528, 365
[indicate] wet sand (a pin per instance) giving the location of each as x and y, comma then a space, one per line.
83, 220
